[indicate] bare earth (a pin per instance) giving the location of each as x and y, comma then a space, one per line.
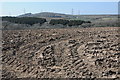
61, 53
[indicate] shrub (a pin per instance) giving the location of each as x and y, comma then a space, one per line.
67, 22
24, 20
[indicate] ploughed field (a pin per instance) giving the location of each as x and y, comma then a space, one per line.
61, 53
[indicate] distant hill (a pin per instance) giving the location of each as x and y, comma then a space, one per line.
26, 15
51, 15
47, 15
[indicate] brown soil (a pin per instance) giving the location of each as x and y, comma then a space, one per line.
61, 53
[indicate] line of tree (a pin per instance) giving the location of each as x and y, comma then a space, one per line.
33, 20
58, 21
24, 20
67, 22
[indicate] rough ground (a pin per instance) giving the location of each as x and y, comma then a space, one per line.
65, 53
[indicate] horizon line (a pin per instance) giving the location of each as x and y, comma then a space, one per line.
63, 13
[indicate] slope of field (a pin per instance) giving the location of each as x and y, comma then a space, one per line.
61, 53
